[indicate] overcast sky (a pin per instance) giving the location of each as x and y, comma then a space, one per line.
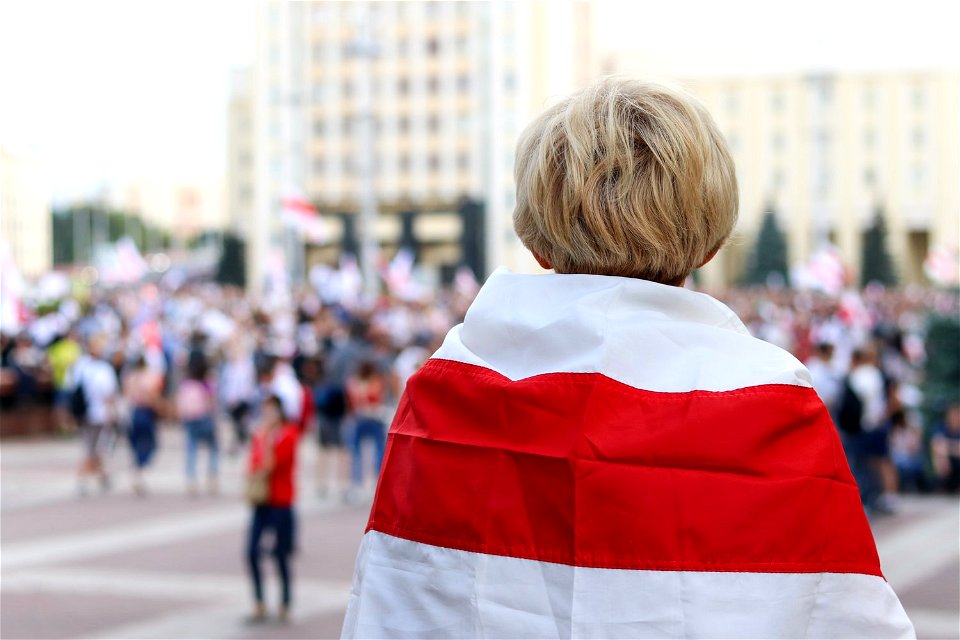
107, 90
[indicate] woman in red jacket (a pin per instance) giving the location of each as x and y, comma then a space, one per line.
273, 451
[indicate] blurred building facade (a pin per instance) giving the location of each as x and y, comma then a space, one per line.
445, 86
25, 222
828, 152
185, 208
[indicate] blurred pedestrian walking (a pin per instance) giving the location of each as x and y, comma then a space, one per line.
93, 404
143, 390
196, 409
271, 492
366, 398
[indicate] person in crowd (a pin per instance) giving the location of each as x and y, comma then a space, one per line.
873, 453
237, 384
906, 454
945, 449
600, 452
331, 408
826, 380
366, 402
62, 354
196, 409
271, 492
143, 391
94, 405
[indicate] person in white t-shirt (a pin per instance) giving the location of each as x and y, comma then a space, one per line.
826, 379
95, 379
866, 381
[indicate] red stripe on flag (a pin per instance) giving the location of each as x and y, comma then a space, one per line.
583, 470
299, 205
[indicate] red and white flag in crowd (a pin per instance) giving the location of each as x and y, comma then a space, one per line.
398, 273
942, 266
824, 271
300, 214
591, 456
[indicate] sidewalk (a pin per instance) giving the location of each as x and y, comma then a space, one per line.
168, 566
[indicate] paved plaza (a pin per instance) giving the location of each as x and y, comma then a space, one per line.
169, 566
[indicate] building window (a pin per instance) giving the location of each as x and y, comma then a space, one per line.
732, 101
404, 163
463, 83
778, 179
870, 176
733, 142
919, 137
433, 123
919, 176
463, 161
403, 86
870, 139
870, 98
433, 47
319, 127
777, 101
433, 162
823, 182
433, 84
318, 166
347, 89
403, 124
917, 97
777, 142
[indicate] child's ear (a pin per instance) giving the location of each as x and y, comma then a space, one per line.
543, 262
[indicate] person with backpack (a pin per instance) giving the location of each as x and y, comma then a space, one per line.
93, 405
862, 419
271, 492
331, 408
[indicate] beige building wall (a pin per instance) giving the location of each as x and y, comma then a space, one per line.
830, 151
453, 84
240, 155
183, 208
25, 223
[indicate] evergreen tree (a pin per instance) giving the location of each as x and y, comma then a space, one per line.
876, 264
941, 384
230, 269
769, 256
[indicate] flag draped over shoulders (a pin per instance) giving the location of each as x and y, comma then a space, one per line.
595, 456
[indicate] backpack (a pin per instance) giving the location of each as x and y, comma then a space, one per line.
333, 402
78, 401
850, 410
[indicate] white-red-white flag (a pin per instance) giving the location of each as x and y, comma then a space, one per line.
594, 456
942, 266
300, 214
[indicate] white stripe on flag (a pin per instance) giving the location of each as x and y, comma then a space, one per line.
643, 334
423, 591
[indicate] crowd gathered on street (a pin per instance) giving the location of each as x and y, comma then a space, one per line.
329, 366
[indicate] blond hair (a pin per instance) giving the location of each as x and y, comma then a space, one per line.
625, 178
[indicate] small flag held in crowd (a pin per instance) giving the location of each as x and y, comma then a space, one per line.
300, 214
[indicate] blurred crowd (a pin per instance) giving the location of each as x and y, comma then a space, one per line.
129, 359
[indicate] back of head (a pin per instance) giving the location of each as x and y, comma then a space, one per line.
625, 178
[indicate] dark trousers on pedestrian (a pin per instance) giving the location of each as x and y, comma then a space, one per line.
366, 428
280, 522
143, 435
